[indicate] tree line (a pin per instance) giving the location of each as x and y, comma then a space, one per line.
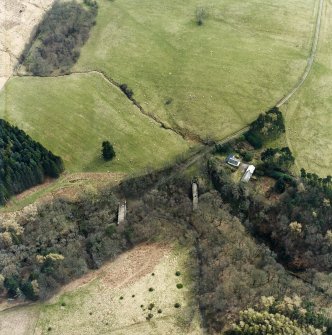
23, 162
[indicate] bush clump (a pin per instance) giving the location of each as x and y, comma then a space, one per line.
248, 156
168, 101
200, 15
149, 317
268, 126
126, 90
110, 230
179, 286
225, 148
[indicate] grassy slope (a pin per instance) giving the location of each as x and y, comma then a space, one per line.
308, 114
219, 75
109, 314
72, 115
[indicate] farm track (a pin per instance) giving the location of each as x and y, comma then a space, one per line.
281, 102
310, 59
208, 145
189, 135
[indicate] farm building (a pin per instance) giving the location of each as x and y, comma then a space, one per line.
247, 175
231, 160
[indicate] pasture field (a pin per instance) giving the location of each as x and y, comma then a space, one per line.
72, 115
93, 303
309, 113
212, 79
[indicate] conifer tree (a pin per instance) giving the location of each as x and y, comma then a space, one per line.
107, 151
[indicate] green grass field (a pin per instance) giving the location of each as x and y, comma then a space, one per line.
220, 75
72, 115
216, 78
308, 114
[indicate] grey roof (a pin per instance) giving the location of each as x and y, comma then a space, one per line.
232, 160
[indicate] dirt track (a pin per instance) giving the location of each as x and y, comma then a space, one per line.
310, 59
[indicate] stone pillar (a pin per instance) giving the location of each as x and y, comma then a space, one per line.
195, 196
122, 212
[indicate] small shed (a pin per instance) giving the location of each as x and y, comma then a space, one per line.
247, 175
233, 161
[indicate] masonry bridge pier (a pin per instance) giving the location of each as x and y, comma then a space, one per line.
194, 188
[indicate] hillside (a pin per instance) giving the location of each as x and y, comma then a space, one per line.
223, 269
211, 79
73, 115
169, 165
308, 117
205, 81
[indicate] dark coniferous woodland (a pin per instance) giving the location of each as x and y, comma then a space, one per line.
23, 162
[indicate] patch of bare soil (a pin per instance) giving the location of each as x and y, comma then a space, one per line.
34, 189
18, 321
76, 183
18, 18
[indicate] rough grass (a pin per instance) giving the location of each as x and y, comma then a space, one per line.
72, 115
68, 185
218, 76
92, 304
308, 114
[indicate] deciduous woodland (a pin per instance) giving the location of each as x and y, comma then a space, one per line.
258, 240
55, 47
247, 241
66, 238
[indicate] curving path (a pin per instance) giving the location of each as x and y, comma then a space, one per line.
310, 59
186, 134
